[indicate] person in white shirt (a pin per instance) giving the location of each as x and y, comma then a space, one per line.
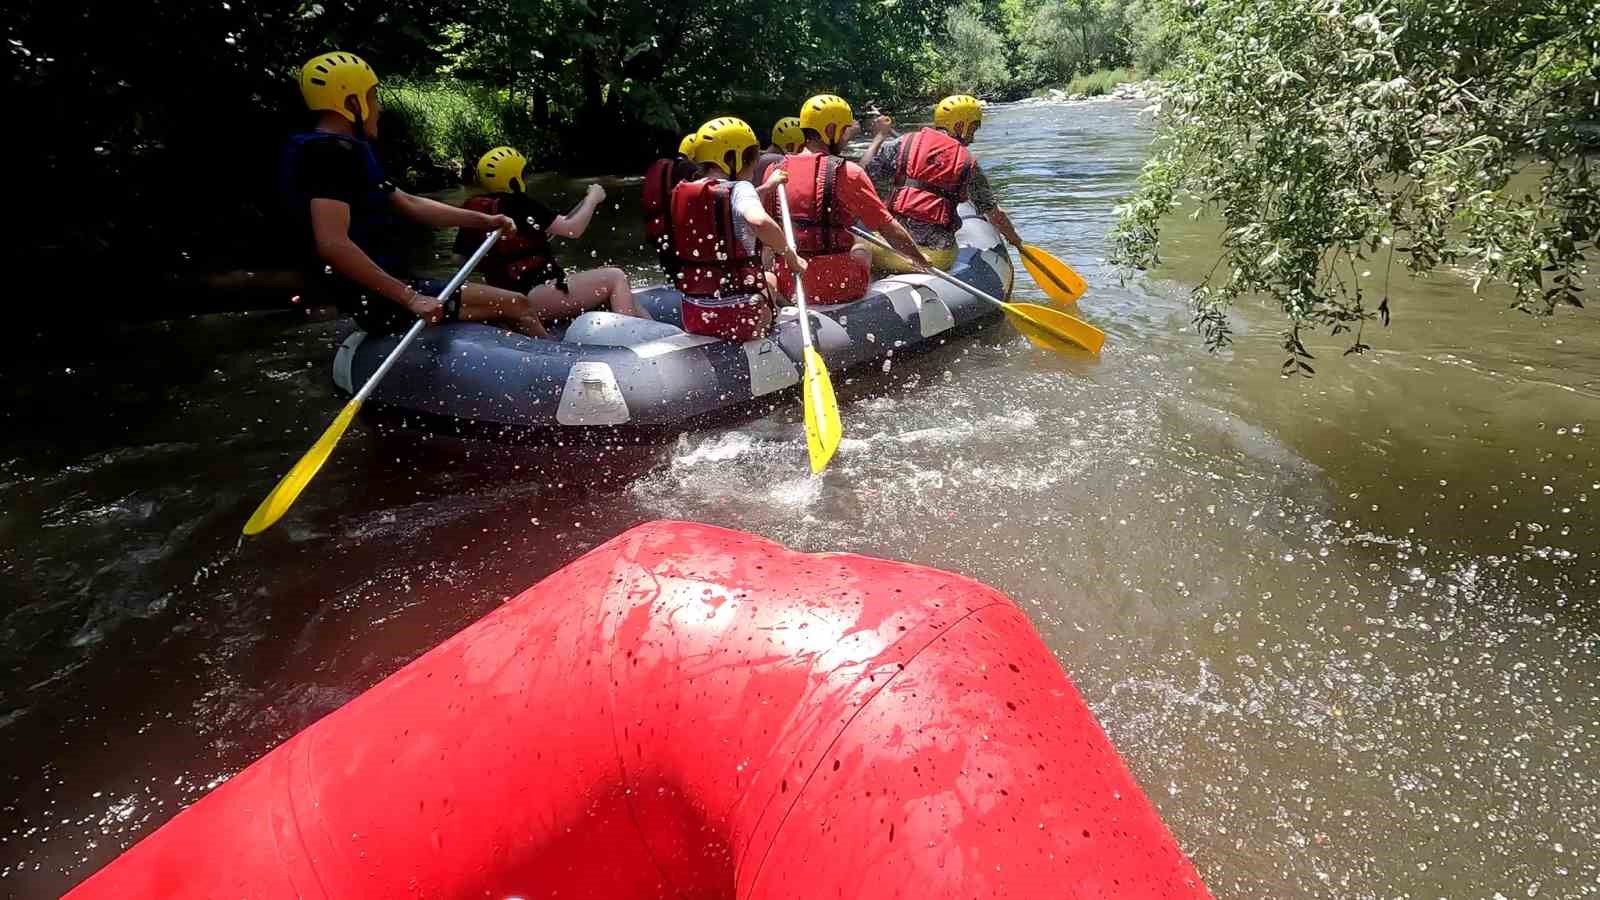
718, 227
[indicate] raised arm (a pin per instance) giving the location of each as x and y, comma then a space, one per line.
882, 128
575, 223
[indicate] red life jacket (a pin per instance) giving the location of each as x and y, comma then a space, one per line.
712, 260
821, 221
659, 179
929, 171
519, 262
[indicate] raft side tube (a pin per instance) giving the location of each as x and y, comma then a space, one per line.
654, 375
692, 711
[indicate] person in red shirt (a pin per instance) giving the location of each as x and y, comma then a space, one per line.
827, 194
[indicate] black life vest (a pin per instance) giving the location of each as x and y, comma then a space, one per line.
372, 218
520, 262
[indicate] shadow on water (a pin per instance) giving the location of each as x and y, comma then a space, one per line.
1343, 629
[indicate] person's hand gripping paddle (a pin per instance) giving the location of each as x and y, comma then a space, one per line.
1049, 328
288, 490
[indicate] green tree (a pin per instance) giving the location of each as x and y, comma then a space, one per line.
1152, 39
974, 55
1336, 139
1066, 37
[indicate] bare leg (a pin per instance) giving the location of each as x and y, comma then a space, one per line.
482, 303
587, 290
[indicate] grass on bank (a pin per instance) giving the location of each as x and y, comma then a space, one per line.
1097, 83
441, 127
1100, 82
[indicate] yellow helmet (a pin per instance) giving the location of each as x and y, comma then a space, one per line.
960, 115
686, 146
787, 134
500, 170
825, 110
327, 80
727, 143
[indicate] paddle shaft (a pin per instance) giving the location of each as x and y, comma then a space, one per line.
799, 282
416, 329
868, 236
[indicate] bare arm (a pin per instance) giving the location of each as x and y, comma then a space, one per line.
771, 234
330, 223
443, 215
774, 178
900, 239
1002, 223
881, 129
977, 190
574, 224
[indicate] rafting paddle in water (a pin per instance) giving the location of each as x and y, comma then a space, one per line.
823, 430
1049, 328
288, 490
1053, 276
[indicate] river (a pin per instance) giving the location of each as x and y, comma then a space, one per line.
1344, 629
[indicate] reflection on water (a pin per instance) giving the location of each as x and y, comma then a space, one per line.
1343, 629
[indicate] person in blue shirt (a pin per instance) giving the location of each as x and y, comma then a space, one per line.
348, 215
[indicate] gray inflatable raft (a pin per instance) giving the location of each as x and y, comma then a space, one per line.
610, 371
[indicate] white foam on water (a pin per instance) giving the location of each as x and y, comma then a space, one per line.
719, 448
795, 493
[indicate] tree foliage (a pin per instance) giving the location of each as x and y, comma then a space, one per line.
974, 56
1006, 48
1335, 139
1066, 37
155, 128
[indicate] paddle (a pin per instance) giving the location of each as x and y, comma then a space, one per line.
1053, 276
1045, 327
288, 490
823, 430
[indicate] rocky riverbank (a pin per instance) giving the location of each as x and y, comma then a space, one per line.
1128, 90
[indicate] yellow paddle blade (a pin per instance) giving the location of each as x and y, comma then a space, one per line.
288, 490
1053, 329
1053, 276
823, 430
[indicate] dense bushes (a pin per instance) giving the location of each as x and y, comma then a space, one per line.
436, 130
1007, 48
153, 130
1342, 144
1099, 82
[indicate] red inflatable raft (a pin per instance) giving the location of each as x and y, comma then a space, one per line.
693, 712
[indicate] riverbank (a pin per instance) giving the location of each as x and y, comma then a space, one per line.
1104, 84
